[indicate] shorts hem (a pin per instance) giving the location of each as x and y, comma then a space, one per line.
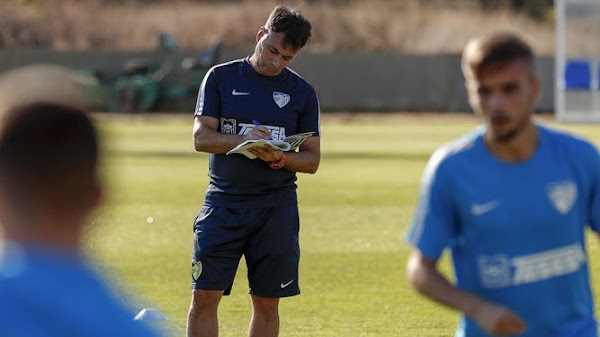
226, 290
274, 295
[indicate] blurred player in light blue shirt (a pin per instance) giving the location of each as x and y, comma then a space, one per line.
48, 186
511, 201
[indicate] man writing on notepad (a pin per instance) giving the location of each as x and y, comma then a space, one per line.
250, 207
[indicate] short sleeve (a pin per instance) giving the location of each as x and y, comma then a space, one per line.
310, 118
208, 102
433, 224
594, 221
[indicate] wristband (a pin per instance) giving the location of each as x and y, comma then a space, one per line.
278, 163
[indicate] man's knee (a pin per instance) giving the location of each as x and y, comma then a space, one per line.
204, 300
265, 305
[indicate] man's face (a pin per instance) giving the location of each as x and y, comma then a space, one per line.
271, 55
503, 94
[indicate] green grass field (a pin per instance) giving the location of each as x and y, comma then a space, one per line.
354, 213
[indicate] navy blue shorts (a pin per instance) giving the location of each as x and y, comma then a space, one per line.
268, 239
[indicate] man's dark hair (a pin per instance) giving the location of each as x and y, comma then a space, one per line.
48, 155
494, 49
296, 28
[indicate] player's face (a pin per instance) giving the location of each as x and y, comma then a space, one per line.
271, 55
504, 95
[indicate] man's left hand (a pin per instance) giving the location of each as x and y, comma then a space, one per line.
267, 153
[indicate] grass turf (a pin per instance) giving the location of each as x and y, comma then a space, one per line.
354, 213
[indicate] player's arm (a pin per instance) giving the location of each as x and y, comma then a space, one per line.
424, 277
306, 160
308, 157
208, 139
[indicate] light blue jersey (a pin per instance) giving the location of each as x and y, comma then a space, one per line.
47, 294
516, 230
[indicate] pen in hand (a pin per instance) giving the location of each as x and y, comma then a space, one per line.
257, 123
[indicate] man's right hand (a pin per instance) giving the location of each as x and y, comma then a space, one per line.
258, 132
423, 275
498, 320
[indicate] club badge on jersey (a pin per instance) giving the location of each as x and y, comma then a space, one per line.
281, 99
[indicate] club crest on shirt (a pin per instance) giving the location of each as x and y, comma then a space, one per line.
196, 269
280, 98
228, 126
562, 195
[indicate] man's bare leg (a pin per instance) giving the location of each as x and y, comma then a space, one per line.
265, 317
202, 317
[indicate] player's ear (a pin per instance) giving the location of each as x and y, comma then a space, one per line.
472, 95
536, 88
261, 32
3, 207
96, 195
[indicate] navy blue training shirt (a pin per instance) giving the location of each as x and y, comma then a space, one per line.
236, 94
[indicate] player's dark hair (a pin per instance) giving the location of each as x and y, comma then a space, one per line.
48, 154
494, 49
296, 28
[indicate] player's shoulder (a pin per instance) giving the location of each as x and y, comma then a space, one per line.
294, 74
452, 157
570, 142
227, 66
459, 149
297, 79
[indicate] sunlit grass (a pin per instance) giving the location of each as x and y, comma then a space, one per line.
354, 213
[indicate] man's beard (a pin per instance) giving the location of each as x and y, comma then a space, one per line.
511, 134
